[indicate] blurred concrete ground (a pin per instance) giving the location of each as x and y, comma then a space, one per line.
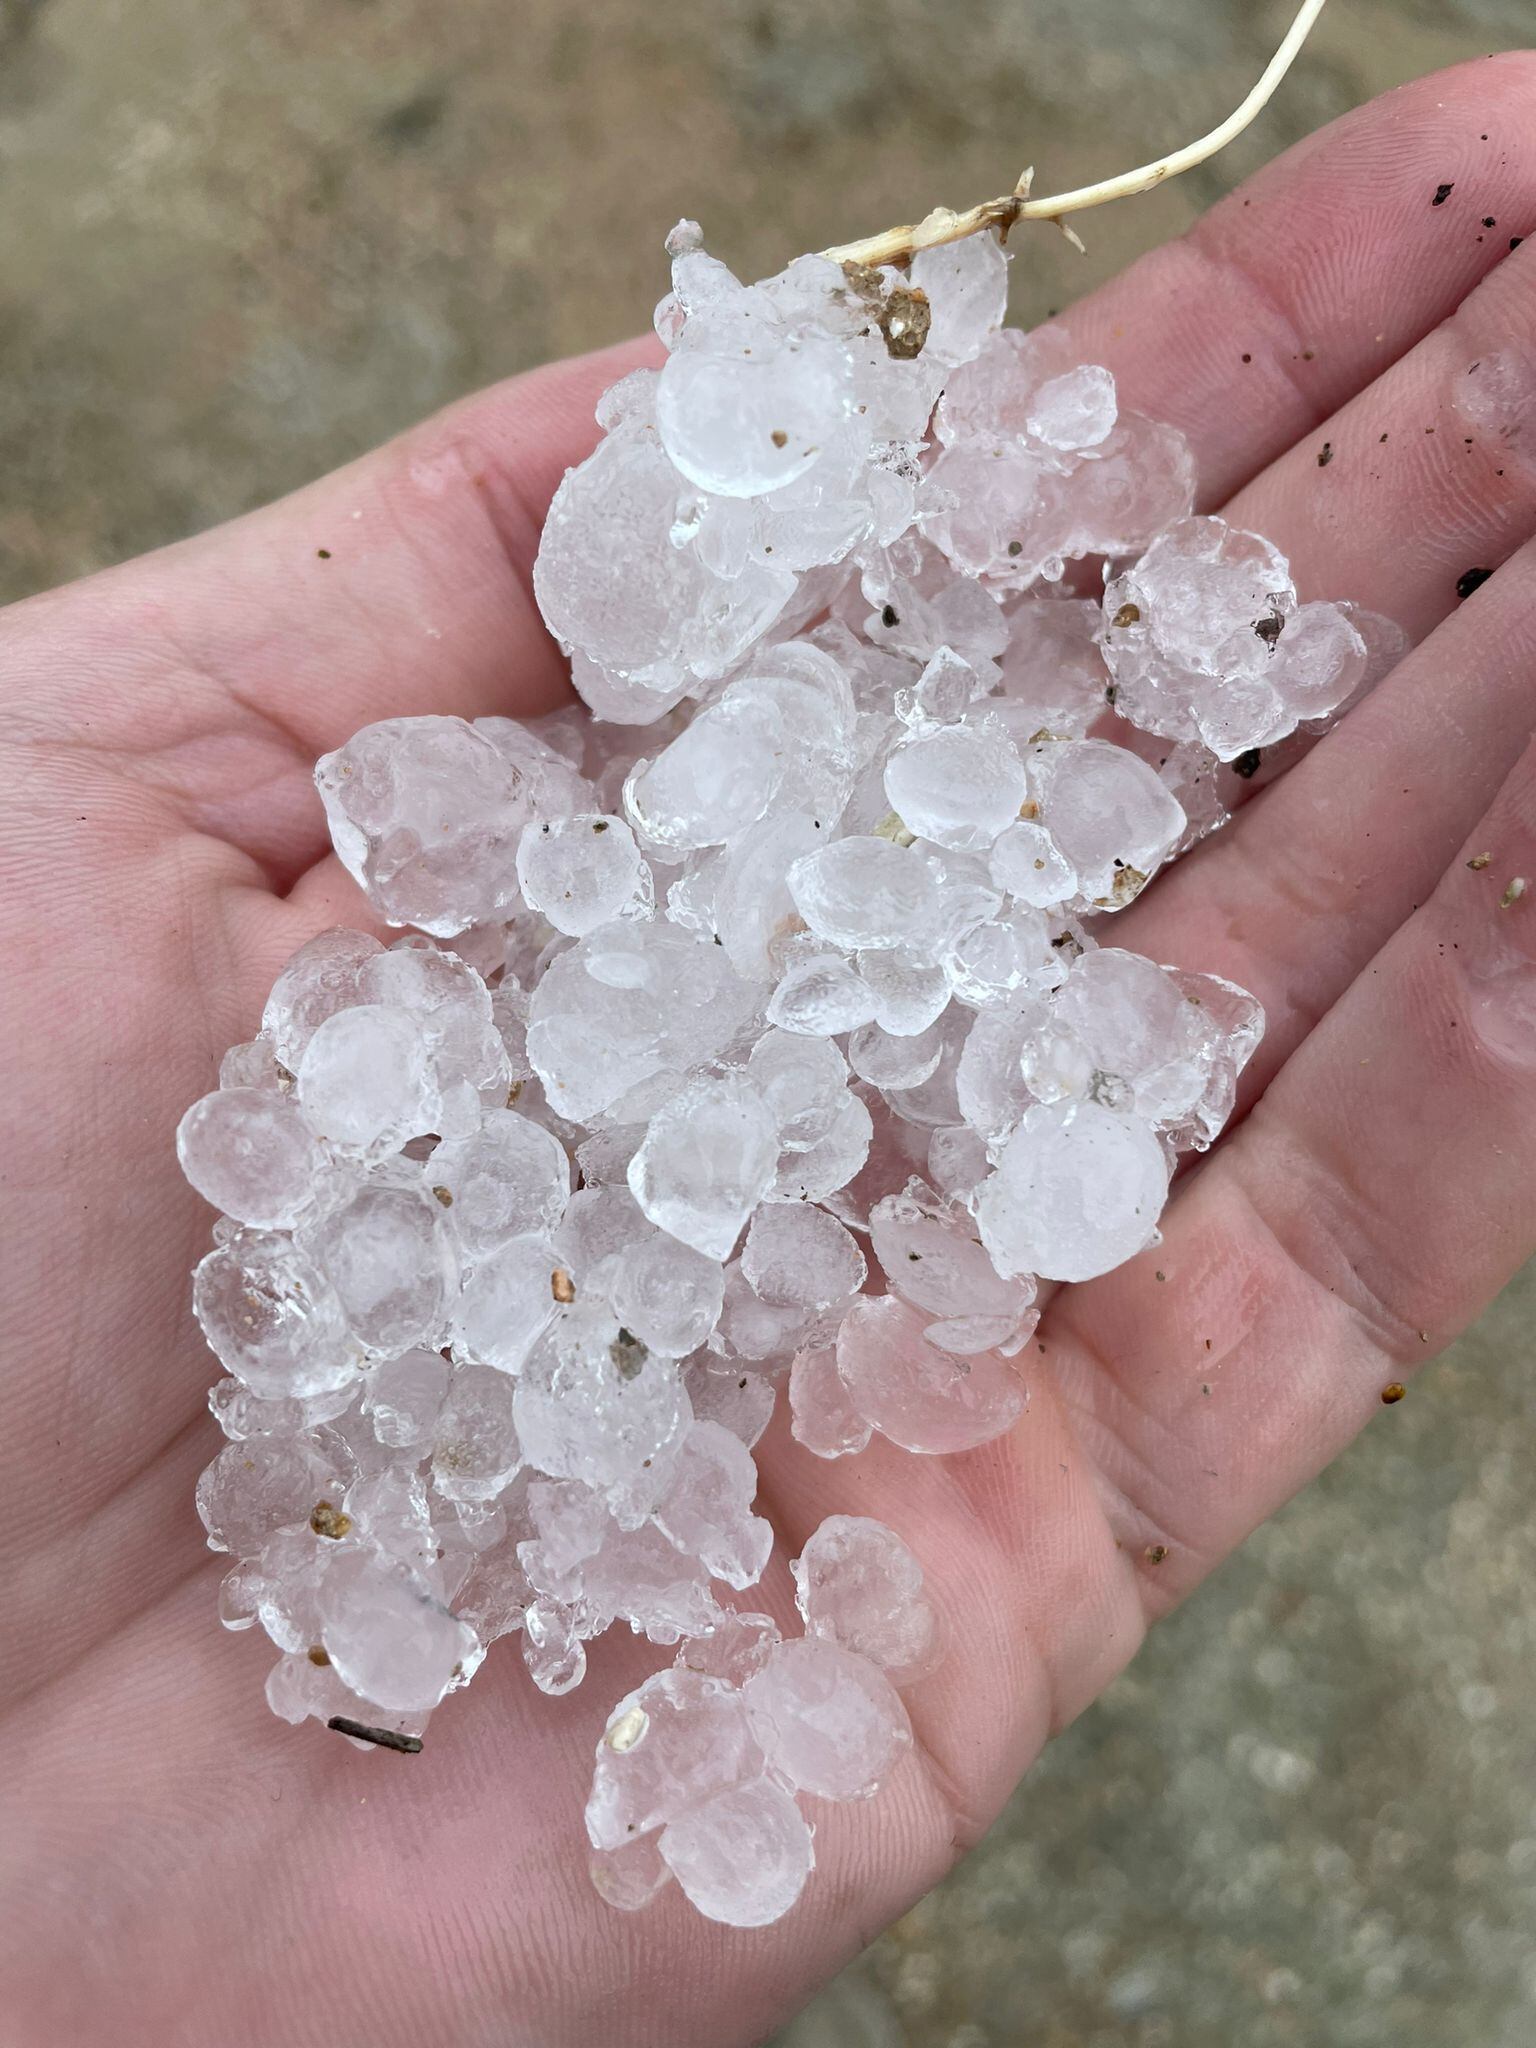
241, 242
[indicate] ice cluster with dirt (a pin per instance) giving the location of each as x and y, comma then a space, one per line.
756, 1027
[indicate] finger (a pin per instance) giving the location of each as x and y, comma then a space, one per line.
1301, 287
1379, 1195
1314, 876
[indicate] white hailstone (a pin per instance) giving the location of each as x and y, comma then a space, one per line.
387, 1253
582, 871
822, 1415
273, 1319
707, 1160
320, 979
921, 1397
827, 1720
1027, 864
707, 1509
475, 1447
250, 1153
797, 938
506, 1303
1110, 816
426, 814
796, 1255
803, 1080
261, 1485
403, 1397
1077, 1191
864, 893
388, 1636
858, 1584
677, 1740
956, 785
506, 1179
743, 1857
1075, 410
365, 1080
666, 1293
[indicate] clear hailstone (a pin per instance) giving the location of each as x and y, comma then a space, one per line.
732, 1648
819, 995
273, 1319
744, 423
496, 1595
857, 1583
1075, 410
1321, 661
755, 1330
1077, 1191
582, 871
426, 814
752, 906
864, 892
803, 1080
1190, 634
822, 1417
1112, 819
966, 284
944, 690
476, 1453
741, 1858
365, 1080
320, 979
553, 1651
1028, 865
261, 1485
930, 1256
886, 1061
707, 1160
989, 1081
509, 1178
740, 1401
254, 1065
956, 785
1140, 479
832, 1162
250, 1153
601, 1223
629, 1877
989, 962
403, 1396
388, 1636
716, 778
677, 1740
957, 1159
506, 1303
827, 1720
388, 1256
640, 1576
452, 1005
1054, 677
240, 1413
909, 991
921, 1397
593, 1404
796, 1255
992, 394
707, 1510
666, 1293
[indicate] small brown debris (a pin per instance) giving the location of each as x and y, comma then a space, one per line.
779, 438
1015, 547
1513, 891
444, 1196
1325, 455
1442, 193
1155, 1553
1479, 861
318, 1654
1271, 626
327, 1520
386, 1738
1159, 1274
513, 1093
561, 1285
628, 1354
888, 616
324, 554
1127, 615
1391, 1395
1470, 580
905, 320
1247, 764
1029, 808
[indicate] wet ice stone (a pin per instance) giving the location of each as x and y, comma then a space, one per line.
921, 1397
858, 1584
708, 1158
365, 1080
250, 1153
743, 1857
864, 892
582, 871
1077, 1191
828, 1721
958, 785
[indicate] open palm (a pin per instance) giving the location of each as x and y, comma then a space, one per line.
175, 1865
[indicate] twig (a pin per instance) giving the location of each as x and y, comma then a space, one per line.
897, 245
386, 1738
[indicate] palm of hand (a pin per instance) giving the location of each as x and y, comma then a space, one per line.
180, 1866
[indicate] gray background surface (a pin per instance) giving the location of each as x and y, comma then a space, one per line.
241, 242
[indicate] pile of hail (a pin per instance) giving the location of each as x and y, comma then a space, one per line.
758, 1026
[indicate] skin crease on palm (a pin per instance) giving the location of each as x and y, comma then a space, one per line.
178, 1867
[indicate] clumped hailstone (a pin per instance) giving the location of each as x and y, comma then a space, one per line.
756, 1025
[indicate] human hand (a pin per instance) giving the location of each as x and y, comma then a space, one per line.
180, 1867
